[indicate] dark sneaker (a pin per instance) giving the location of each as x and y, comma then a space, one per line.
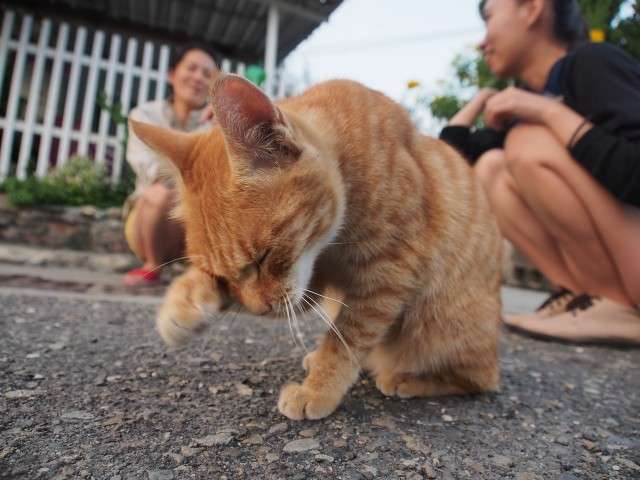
555, 304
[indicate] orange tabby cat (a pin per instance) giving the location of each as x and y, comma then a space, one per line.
335, 190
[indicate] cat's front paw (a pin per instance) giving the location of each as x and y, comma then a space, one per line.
189, 299
299, 402
177, 325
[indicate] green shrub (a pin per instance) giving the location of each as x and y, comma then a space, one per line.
78, 182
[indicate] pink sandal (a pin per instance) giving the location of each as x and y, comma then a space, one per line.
139, 277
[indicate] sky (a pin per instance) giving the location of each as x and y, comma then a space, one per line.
384, 44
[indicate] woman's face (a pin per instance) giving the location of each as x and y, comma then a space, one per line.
192, 77
505, 41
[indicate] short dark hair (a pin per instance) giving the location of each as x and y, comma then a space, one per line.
178, 52
569, 25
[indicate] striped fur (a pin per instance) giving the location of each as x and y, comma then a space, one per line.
349, 198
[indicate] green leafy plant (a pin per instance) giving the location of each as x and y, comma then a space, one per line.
78, 182
470, 72
114, 110
626, 33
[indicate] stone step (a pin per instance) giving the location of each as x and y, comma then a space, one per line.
66, 258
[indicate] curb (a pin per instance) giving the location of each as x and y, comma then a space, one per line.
64, 258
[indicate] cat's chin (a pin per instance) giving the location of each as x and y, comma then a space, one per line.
278, 314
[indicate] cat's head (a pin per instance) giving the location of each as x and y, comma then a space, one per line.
258, 197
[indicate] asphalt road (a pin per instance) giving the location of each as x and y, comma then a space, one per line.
87, 390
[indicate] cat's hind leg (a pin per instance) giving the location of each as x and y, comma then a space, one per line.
442, 347
404, 366
461, 382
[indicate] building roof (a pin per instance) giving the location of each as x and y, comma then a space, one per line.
232, 28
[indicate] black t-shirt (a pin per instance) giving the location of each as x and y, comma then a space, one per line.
602, 83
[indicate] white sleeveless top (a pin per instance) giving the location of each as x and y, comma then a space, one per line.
144, 161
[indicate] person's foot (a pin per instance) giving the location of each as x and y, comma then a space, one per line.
587, 319
139, 277
554, 305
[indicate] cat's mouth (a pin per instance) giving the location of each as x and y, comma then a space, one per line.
282, 308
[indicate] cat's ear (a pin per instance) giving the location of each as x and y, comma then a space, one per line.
174, 145
254, 128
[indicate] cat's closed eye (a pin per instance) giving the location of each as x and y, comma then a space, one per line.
262, 258
222, 283
253, 267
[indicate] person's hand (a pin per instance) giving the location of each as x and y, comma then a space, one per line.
207, 114
514, 104
468, 114
484, 94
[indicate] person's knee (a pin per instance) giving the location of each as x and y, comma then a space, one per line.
489, 167
528, 148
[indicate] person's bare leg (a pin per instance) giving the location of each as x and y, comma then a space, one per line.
163, 237
160, 238
518, 224
587, 223
597, 230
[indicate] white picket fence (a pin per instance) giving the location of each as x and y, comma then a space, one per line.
56, 72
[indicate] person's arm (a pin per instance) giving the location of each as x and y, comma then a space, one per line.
614, 161
606, 84
611, 159
517, 104
468, 114
458, 133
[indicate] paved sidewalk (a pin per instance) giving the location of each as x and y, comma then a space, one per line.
70, 279
87, 390
79, 280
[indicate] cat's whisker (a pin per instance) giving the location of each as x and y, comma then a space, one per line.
321, 313
188, 257
325, 318
296, 324
211, 331
286, 305
237, 312
325, 296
